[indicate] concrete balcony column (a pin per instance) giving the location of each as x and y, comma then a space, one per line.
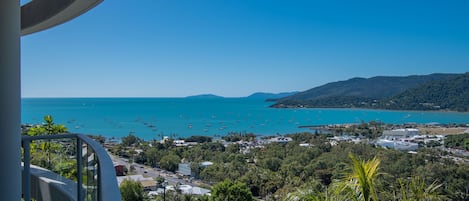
10, 100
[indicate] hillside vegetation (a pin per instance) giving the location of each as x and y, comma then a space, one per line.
288, 171
375, 87
450, 94
426, 92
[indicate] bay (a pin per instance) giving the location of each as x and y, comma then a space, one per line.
152, 118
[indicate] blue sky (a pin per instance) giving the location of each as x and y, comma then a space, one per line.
176, 48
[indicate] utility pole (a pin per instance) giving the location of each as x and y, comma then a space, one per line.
164, 190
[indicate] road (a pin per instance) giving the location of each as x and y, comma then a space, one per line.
147, 171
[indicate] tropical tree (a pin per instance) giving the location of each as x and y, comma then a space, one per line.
170, 162
305, 195
48, 128
132, 191
231, 191
362, 178
417, 190
44, 157
67, 168
335, 192
130, 140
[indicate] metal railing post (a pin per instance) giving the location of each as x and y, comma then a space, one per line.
26, 171
100, 194
79, 169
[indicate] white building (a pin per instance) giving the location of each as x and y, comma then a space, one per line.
400, 133
281, 139
399, 139
398, 145
179, 143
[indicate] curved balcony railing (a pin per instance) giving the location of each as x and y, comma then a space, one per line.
95, 174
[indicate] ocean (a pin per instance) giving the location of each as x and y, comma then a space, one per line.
151, 118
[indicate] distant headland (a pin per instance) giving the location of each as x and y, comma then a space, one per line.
442, 92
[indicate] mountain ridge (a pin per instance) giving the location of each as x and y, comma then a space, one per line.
374, 87
380, 92
255, 95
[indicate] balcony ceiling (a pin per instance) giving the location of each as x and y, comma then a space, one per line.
38, 15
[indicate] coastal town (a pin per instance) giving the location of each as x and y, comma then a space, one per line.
158, 180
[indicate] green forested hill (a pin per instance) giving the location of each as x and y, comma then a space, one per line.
418, 92
375, 87
449, 94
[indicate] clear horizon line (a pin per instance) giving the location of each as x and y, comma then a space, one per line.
202, 94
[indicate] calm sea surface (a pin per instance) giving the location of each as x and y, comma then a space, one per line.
151, 118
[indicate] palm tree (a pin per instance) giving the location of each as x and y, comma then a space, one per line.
336, 192
305, 195
417, 190
359, 185
48, 128
362, 179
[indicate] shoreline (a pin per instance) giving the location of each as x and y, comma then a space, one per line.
373, 109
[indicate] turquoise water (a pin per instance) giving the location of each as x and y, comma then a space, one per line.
151, 118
